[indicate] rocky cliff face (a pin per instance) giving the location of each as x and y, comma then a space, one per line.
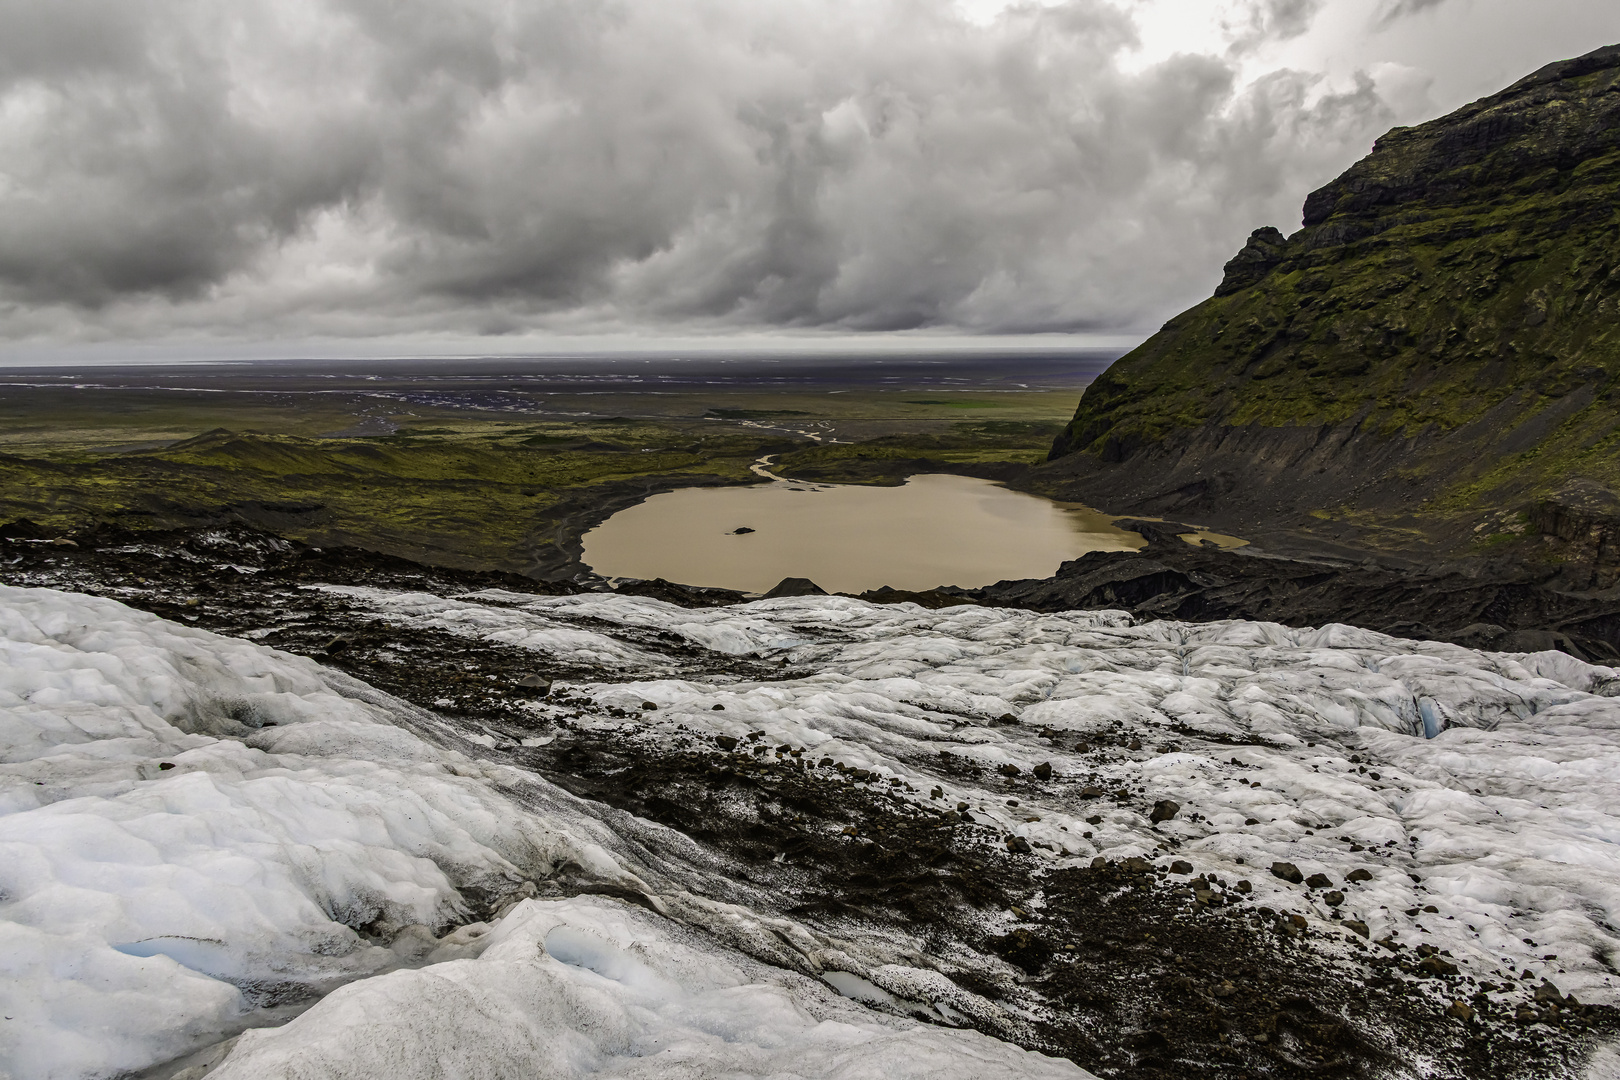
1433, 359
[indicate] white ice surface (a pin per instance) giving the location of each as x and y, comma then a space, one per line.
1498, 782
594, 988
145, 911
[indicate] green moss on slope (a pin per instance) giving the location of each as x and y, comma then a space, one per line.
1458, 289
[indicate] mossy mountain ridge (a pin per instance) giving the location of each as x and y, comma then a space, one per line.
1431, 364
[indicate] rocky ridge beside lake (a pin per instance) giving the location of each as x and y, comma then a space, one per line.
1430, 365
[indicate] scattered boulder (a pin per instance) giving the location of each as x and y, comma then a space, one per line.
539, 685
1458, 1010
1164, 810
1356, 926
1181, 866
1287, 871
1043, 771
649, 706
1434, 965
1022, 949
1318, 881
1360, 873
1009, 770
23, 529
1334, 898
1092, 791
1018, 845
725, 742
795, 586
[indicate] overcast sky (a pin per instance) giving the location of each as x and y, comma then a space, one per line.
494, 175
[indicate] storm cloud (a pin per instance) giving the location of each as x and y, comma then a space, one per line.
1400, 9
357, 167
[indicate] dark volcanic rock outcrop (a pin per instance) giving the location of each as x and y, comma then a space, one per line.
795, 586
1434, 358
1171, 579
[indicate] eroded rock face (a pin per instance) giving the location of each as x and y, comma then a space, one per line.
1547, 123
1439, 340
1265, 249
1585, 516
1173, 579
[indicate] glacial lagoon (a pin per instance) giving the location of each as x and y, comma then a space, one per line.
935, 529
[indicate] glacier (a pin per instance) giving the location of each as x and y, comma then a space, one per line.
230, 858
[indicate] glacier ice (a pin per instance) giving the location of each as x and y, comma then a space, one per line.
588, 988
193, 824
1502, 811
193, 827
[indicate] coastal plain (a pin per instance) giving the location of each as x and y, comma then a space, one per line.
497, 464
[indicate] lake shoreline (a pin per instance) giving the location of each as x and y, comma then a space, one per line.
1277, 578
1280, 576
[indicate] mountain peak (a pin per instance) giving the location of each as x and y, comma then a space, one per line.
1435, 353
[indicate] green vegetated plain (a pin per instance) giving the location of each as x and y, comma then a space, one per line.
991, 448
452, 486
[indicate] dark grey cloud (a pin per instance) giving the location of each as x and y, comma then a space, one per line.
1391, 11
291, 167
1265, 21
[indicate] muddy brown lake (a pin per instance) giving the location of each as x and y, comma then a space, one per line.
935, 529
